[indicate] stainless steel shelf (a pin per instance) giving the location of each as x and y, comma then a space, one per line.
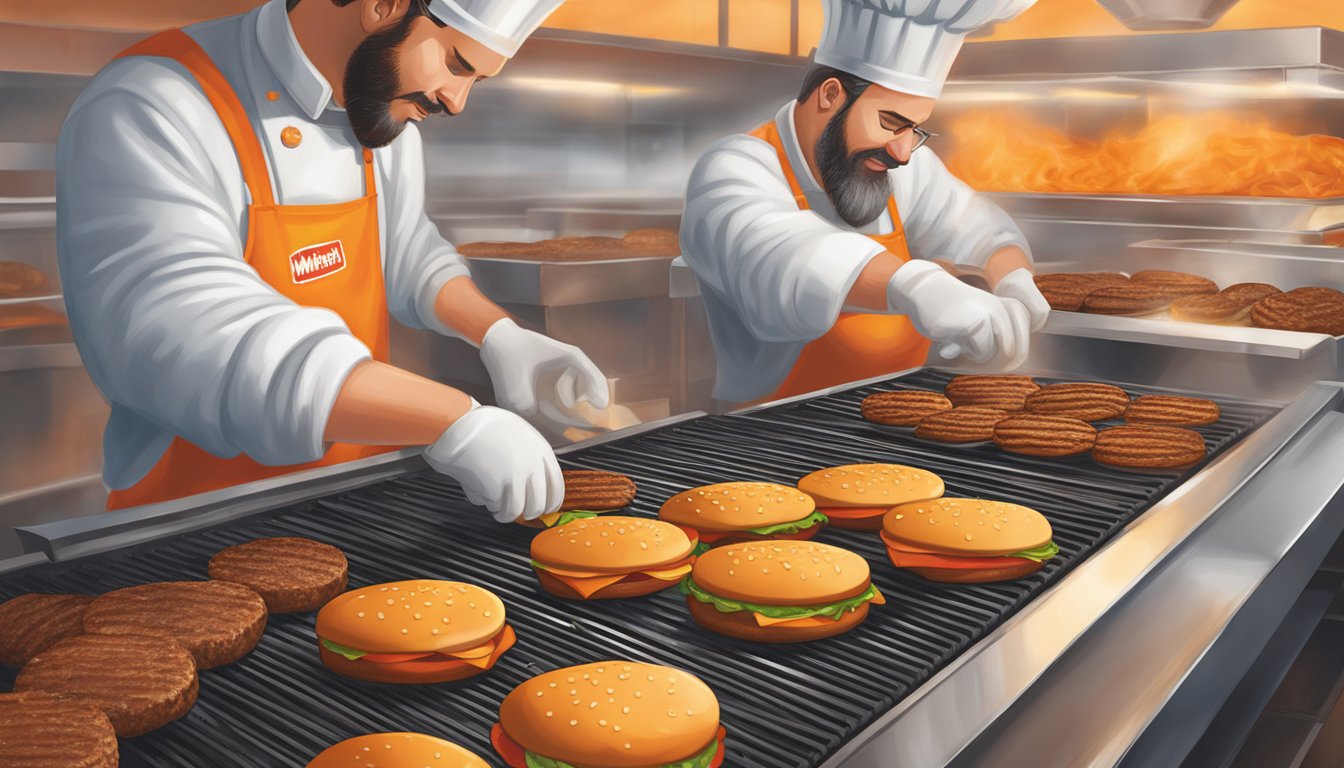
1194, 336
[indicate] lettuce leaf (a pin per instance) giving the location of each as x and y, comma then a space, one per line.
724, 605
701, 760
816, 518
571, 516
1039, 554
349, 653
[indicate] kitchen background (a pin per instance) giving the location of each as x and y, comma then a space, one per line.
1096, 136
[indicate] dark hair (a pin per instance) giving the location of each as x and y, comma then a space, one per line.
854, 85
418, 8
289, 4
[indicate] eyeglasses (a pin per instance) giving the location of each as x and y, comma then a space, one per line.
921, 136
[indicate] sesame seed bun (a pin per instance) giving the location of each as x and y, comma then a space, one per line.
737, 506
968, 527
870, 485
611, 544
612, 714
396, 750
791, 573
417, 616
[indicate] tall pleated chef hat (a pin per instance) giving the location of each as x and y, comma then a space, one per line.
500, 25
905, 45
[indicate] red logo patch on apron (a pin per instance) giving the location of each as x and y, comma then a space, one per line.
316, 262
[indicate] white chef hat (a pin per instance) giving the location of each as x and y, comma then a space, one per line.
905, 45
500, 25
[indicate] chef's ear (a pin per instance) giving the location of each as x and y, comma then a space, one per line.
830, 94
381, 15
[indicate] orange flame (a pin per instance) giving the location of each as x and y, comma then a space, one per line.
1206, 154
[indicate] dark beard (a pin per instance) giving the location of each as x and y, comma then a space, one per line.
372, 82
858, 194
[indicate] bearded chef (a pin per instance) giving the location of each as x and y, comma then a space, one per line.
241, 208
814, 238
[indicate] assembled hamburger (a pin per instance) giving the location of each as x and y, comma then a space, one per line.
421, 631
780, 591
611, 714
858, 495
396, 750
967, 540
726, 513
611, 556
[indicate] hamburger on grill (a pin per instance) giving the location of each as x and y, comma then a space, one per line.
858, 495
780, 591
963, 424
41, 730
611, 714
966, 541
396, 750
421, 631
1172, 411
216, 621
141, 683
612, 557
587, 493
1086, 401
1149, 447
33, 623
726, 513
292, 575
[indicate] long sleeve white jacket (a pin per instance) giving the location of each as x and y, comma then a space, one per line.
774, 277
179, 333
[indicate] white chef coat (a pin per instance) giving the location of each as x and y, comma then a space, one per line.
179, 333
774, 277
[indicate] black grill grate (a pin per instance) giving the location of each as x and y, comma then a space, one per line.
783, 706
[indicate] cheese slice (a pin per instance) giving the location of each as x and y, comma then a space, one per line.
878, 599
549, 518
671, 574
506, 640
589, 586
809, 621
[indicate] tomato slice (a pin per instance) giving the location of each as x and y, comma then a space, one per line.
904, 556
510, 750
718, 756
394, 658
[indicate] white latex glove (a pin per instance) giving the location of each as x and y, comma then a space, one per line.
502, 463
952, 314
1020, 285
522, 362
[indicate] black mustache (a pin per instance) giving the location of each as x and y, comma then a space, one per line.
430, 106
881, 155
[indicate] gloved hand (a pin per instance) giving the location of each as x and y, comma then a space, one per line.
521, 361
962, 319
502, 463
1020, 285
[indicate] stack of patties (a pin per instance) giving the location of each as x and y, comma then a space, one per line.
33, 623
611, 714
967, 541
725, 513
140, 683
780, 591
41, 730
611, 557
858, 495
588, 492
216, 621
421, 631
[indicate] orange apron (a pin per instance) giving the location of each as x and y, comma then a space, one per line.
858, 346
316, 255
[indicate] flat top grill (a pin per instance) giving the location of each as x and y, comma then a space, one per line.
782, 705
